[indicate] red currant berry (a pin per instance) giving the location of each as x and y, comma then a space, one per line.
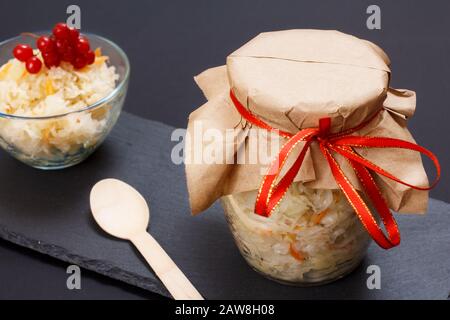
33, 65
79, 62
23, 52
51, 59
45, 44
62, 45
68, 55
90, 57
83, 45
74, 35
61, 31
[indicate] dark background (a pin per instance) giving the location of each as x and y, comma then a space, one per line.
168, 42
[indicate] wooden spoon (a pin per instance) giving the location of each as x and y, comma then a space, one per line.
121, 211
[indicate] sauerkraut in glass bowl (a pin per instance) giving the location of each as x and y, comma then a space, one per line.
313, 236
56, 118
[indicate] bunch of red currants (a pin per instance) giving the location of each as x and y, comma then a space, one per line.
65, 44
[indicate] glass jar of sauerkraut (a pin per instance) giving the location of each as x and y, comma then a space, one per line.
313, 236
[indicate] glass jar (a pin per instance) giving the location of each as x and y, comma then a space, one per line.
313, 236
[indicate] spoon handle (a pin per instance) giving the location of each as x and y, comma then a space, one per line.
164, 267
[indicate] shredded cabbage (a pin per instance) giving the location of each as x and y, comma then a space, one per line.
54, 91
313, 236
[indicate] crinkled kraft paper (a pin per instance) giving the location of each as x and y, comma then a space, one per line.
291, 79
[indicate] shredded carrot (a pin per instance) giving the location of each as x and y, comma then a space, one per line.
99, 113
8, 109
98, 52
49, 89
317, 218
4, 70
297, 255
100, 60
291, 236
24, 73
46, 135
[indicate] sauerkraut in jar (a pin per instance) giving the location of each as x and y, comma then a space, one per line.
312, 237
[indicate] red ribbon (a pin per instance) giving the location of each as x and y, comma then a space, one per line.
271, 192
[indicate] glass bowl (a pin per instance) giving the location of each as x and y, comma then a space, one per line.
28, 139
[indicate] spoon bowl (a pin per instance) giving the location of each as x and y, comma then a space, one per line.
119, 209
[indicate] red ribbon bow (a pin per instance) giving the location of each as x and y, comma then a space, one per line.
271, 192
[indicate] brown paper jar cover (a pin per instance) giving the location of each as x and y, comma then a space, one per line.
290, 79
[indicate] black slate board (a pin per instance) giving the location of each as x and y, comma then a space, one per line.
49, 212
